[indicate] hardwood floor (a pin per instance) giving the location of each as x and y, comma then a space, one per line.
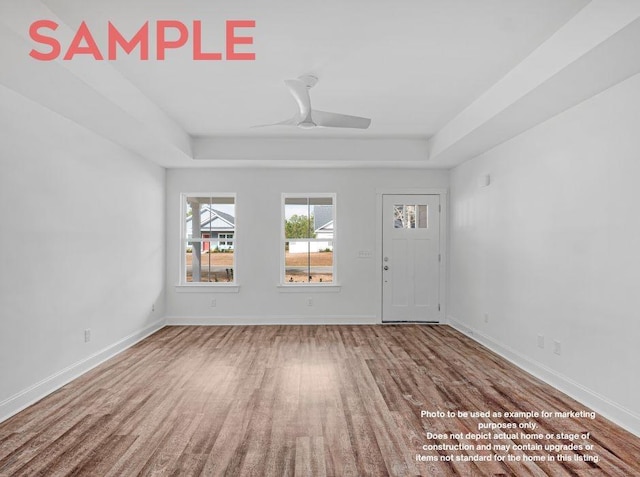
308, 400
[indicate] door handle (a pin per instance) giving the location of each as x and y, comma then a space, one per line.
386, 267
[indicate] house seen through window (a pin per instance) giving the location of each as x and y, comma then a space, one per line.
209, 231
309, 239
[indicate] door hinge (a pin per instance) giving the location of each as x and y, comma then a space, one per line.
439, 208
439, 258
438, 306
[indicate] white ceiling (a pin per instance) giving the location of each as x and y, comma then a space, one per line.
409, 65
439, 78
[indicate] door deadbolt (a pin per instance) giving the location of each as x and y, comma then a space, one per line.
386, 267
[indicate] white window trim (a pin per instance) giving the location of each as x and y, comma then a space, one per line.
284, 285
221, 287
208, 288
302, 287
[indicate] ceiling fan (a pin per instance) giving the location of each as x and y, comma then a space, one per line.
308, 118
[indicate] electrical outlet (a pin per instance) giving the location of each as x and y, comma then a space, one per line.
213, 303
557, 347
486, 317
540, 341
87, 335
309, 301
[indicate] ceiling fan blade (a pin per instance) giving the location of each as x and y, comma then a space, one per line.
308, 118
337, 120
300, 92
286, 122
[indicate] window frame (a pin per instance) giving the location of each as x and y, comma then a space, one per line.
283, 239
183, 284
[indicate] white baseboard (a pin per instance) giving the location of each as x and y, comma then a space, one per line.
601, 404
274, 320
19, 401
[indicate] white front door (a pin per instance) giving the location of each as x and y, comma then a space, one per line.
410, 258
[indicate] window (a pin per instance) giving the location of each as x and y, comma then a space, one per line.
410, 216
308, 239
225, 241
208, 238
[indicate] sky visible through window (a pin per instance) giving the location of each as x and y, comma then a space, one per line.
290, 210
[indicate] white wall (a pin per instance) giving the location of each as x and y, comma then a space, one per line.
552, 247
81, 247
258, 219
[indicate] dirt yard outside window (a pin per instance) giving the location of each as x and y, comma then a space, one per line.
218, 267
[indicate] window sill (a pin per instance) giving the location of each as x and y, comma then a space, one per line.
308, 287
208, 288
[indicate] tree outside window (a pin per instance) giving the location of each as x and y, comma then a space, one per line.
309, 238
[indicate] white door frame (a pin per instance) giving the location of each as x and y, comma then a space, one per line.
443, 193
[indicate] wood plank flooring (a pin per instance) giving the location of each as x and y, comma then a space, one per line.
309, 401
